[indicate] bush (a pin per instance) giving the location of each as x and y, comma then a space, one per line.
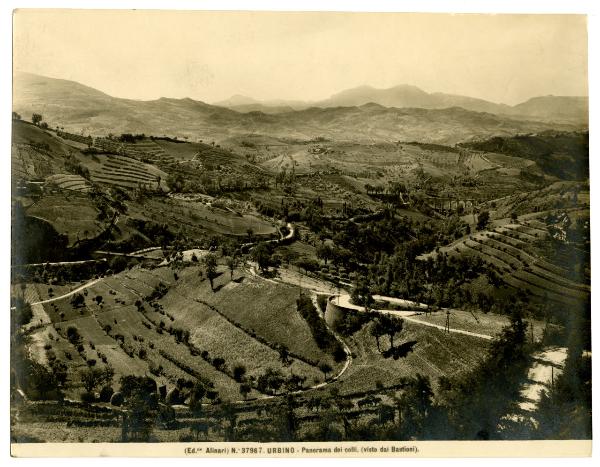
174, 397
117, 399
73, 335
324, 339
88, 397
322, 302
106, 393
239, 371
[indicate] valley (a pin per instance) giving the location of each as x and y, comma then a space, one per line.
350, 271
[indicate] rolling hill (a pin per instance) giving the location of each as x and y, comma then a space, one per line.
562, 109
564, 155
80, 108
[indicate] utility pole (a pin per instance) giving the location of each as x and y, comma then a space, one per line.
447, 326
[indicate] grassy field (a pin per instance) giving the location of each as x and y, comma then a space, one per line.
113, 331
70, 214
489, 324
433, 354
221, 220
266, 308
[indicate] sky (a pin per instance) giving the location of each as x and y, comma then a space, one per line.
210, 56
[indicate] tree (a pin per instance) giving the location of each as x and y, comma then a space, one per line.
325, 368
231, 264
21, 314
36, 119
239, 371
106, 393
284, 355
229, 414
377, 330
324, 252
483, 219
73, 335
16, 116
210, 263
78, 300
394, 326
141, 405
59, 371
361, 294
262, 256
245, 390
93, 377
270, 381
197, 393
218, 363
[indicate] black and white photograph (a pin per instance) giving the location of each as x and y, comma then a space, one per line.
235, 230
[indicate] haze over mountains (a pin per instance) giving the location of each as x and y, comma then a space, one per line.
564, 109
360, 114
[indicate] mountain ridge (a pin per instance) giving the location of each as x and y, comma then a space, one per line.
80, 108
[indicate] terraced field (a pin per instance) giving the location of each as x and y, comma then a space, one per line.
127, 172
68, 182
505, 246
559, 195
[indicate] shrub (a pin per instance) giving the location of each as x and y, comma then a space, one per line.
106, 393
73, 335
173, 397
88, 397
239, 371
155, 369
117, 399
218, 363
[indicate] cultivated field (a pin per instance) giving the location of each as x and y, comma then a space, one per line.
505, 248
143, 338
68, 182
70, 214
126, 172
432, 353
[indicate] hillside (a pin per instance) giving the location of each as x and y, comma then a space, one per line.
563, 155
562, 109
557, 108
514, 251
79, 108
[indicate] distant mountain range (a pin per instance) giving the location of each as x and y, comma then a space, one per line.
562, 109
402, 113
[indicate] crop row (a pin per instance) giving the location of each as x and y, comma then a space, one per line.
511, 271
127, 173
139, 168
540, 267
